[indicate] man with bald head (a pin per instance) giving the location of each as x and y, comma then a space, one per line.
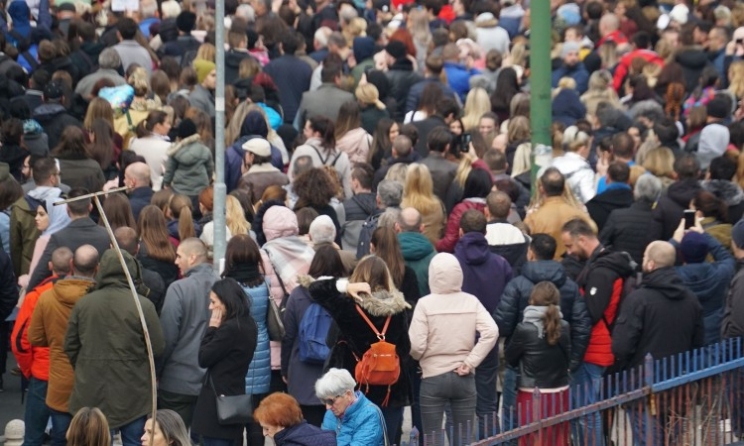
416, 248
662, 318
34, 361
150, 285
137, 179
184, 320
49, 326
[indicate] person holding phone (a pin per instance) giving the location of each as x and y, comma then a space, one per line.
226, 352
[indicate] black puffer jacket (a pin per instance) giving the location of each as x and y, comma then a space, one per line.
672, 205
631, 230
693, 61
543, 365
402, 77
663, 318
516, 297
54, 118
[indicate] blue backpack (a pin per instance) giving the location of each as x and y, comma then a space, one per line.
314, 328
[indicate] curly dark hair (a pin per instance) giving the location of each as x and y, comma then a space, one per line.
314, 188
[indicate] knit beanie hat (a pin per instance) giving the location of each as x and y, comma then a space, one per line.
364, 48
694, 247
203, 68
186, 21
569, 47
186, 128
718, 108
396, 49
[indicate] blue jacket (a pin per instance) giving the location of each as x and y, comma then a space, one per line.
361, 424
709, 281
235, 157
458, 78
417, 89
304, 434
577, 73
258, 378
485, 274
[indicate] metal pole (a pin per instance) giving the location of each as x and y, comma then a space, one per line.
540, 78
219, 148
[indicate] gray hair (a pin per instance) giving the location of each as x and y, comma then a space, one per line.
388, 218
247, 12
335, 382
109, 58
170, 9
647, 187
390, 193
322, 230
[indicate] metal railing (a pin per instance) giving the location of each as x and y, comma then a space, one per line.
694, 398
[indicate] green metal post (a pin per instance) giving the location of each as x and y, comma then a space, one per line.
540, 77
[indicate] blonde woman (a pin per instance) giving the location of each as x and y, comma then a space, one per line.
574, 166
736, 80
600, 90
235, 222
207, 52
418, 25
660, 163
477, 103
141, 106
418, 193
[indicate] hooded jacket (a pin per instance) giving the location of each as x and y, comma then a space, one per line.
485, 274
184, 319
709, 282
104, 342
567, 107
402, 77
189, 167
661, 318
417, 253
577, 72
33, 361
693, 60
355, 144
355, 336
615, 196
729, 192
516, 297
444, 325
23, 230
601, 283
631, 229
579, 175
47, 329
304, 434
490, 35
54, 118
671, 206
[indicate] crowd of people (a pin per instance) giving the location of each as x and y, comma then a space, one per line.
388, 243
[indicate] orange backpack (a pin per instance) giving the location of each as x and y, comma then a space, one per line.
380, 365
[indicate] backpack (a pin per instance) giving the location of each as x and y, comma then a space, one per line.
380, 365
312, 335
365, 235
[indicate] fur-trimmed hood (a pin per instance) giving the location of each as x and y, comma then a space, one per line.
380, 304
176, 146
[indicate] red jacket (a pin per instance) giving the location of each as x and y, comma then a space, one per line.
33, 361
452, 233
599, 351
623, 67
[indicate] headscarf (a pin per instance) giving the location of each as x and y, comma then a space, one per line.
58, 218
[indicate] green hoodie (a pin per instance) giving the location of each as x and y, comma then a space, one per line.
417, 253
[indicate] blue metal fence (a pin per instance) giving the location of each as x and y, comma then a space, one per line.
694, 398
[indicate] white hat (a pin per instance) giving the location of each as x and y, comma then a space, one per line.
679, 14
258, 146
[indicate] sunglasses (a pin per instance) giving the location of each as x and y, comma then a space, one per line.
330, 401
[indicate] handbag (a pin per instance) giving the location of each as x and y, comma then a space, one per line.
234, 409
275, 314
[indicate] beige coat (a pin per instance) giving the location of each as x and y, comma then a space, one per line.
550, 217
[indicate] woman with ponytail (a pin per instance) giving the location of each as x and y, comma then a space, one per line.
540, 347
320, 146
181, 224
152, 144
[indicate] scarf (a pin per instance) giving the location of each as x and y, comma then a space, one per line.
534, 315
244, 272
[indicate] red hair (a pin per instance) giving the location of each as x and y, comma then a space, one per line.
402, 35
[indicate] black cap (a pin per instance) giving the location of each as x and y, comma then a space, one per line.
54, 90
396, 49
186, 128
186, 21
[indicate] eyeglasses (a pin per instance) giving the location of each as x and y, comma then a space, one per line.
330, 401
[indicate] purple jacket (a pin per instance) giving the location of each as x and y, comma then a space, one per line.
485, 274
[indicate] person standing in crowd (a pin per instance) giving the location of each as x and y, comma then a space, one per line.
504, 238
226, 362
259, 172
99, 358
190, 164
485, 276
443, 340
184, 320
661, 318
617, 195
34, 361
152, 143
359, 207
290, 73
601, 281
48, 326
81, 230
137, 179
201, 96
416, 249
672, 204
150, 284
130, 51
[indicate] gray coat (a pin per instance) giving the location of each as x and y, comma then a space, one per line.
325, 101
442, 173
202, 99
189, 167
184, 320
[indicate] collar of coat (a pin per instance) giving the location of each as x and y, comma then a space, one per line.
175, 147
380, 304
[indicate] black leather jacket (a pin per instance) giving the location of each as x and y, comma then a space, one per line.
540, 364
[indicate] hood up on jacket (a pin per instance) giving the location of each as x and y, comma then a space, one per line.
414, 246
727, 191
473, 248
667, 282
20, 13
618, 261
545, 270
445, 274
110, 272
279, 221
